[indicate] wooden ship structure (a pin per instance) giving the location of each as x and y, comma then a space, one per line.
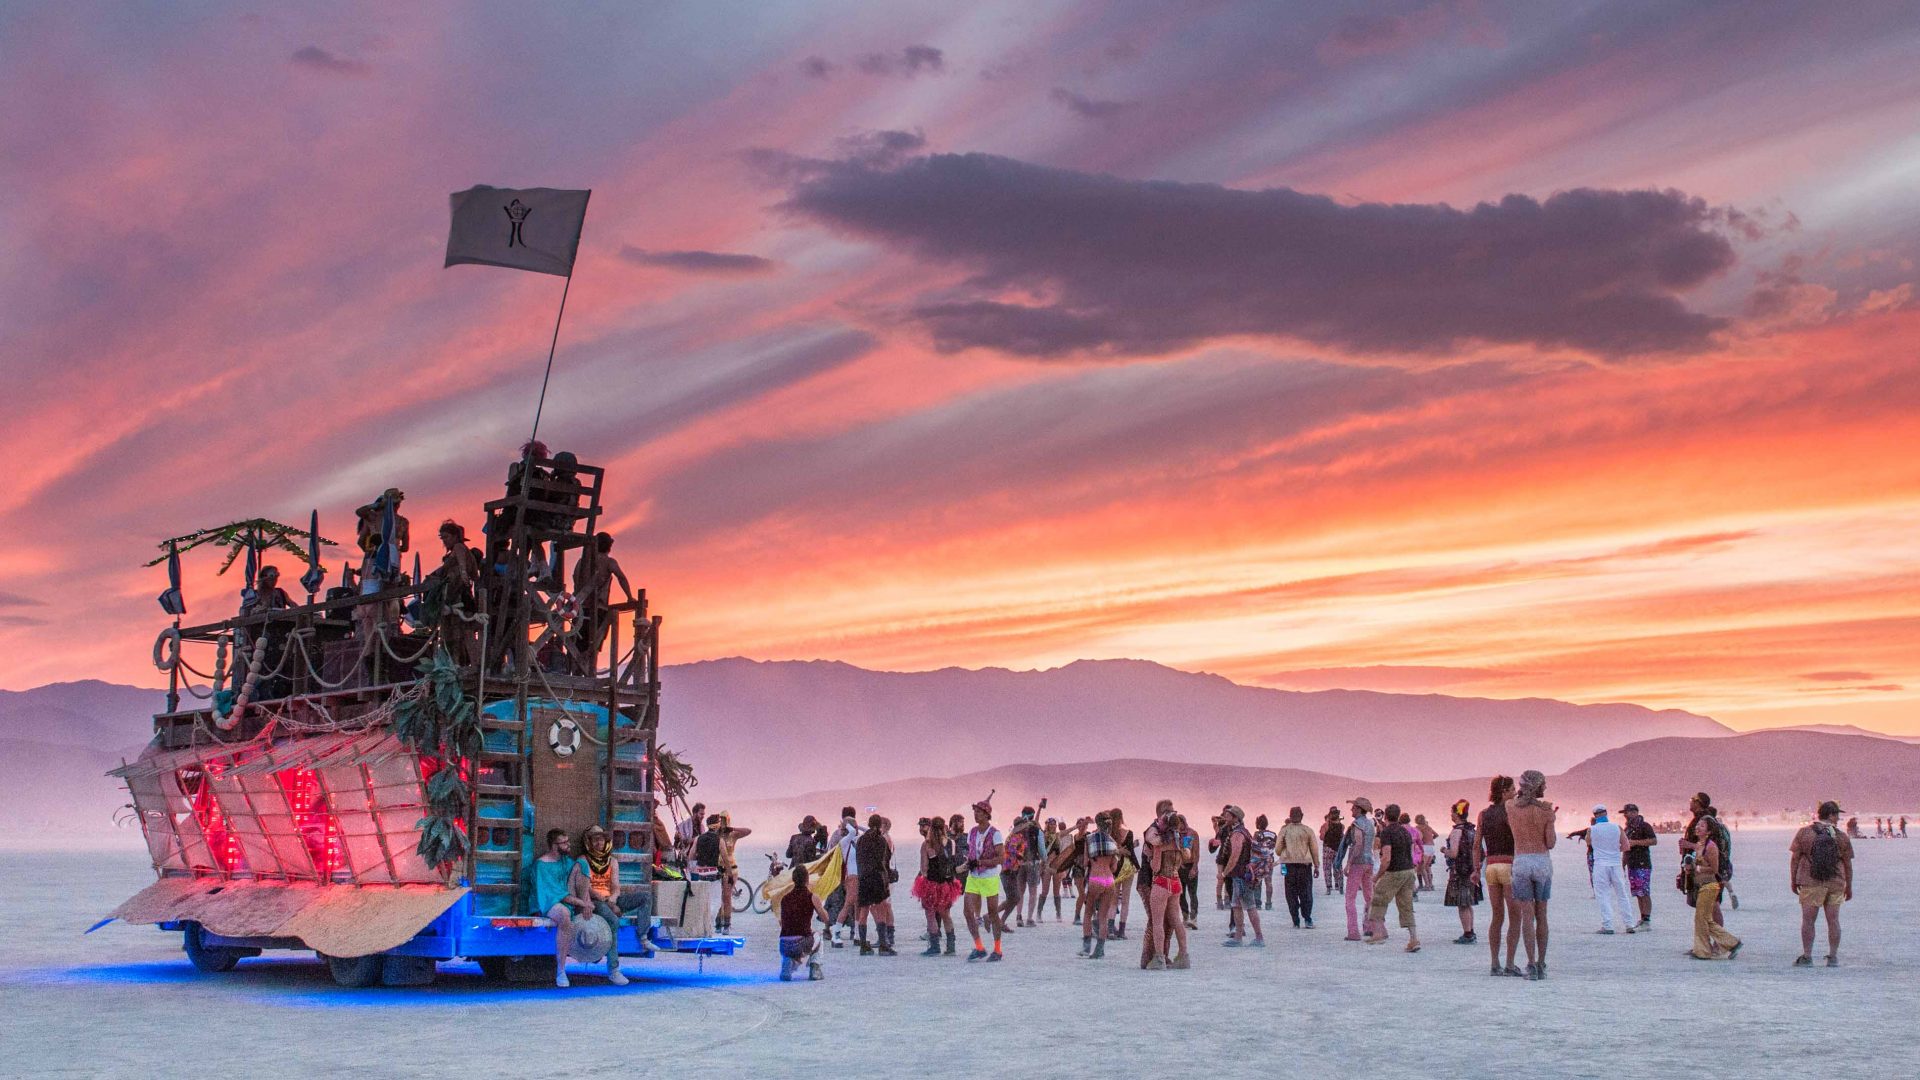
370, 775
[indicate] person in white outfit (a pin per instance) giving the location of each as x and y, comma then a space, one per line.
1609, 844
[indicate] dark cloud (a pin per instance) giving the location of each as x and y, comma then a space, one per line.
319, 59
8, 599
1089, 108
910, 61
1838, 676
881, 148
719, 263
816, 67
1131, 267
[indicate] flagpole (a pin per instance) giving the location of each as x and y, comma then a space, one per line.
554, 344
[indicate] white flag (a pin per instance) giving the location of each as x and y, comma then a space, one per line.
535, 229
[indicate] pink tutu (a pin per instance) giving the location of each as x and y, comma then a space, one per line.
936, 896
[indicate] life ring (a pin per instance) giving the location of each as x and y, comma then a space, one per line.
169, 639
563, 737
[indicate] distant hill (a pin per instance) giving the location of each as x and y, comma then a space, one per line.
1764, 772
774, 727
1850, 729
93, 714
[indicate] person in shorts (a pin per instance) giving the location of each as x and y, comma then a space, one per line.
985, 849
1821, 887
1243, 887
1493, 867
1641, 839
1397, 881
1530, 818
798, 946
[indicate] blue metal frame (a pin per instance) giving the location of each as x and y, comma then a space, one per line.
460, 934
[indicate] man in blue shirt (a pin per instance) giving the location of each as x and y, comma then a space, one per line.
559, 892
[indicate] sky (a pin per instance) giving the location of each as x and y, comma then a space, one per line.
1508, 350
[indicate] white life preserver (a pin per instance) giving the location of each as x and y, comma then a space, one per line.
169, 639
563, 737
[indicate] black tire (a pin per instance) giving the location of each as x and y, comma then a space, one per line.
493, 967
356, 972
762, 905
210, 958
742, 899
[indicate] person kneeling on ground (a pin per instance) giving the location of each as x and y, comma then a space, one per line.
797, 943
559, 889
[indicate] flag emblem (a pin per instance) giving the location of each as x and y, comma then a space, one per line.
541, 232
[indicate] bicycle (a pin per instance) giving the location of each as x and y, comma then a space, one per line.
754, 899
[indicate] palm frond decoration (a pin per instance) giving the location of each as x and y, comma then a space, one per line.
262, 533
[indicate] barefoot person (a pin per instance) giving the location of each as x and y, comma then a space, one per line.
1463, 892
1493, 868
1355, 856
1295, 853
1424, 836
1711, 941
985, 849
1101, 854
1530, 817
1821, 873
1396, 883
937, 886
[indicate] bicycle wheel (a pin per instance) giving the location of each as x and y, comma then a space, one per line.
742, 898
762, 905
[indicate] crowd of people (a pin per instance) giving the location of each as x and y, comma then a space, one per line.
1099, 869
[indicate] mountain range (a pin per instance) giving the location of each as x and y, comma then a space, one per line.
1769, 772
838, 733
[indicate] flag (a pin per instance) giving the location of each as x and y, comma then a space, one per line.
386, 559
535, 229
316, 574
172, 601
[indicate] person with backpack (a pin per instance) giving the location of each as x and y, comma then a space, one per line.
1100, 854
1295, 854
1821, 872
1243, 886
1723, 840
1711, 940
1463, 891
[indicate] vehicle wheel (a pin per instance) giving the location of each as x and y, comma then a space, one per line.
761, 905
742, 896
356, 972
212, 958
493, 967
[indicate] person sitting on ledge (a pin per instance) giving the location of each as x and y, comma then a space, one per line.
558, 885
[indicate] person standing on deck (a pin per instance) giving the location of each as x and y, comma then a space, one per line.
1531, 818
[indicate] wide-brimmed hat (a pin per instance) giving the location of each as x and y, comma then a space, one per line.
1362, 804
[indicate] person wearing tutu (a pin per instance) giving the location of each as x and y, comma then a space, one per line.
937, 886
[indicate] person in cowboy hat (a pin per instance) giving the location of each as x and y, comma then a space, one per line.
1355, 860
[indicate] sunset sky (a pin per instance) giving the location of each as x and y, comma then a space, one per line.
1565, 350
